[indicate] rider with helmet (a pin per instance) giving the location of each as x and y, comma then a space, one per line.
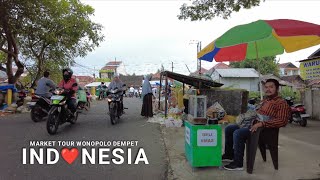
103, 88
117, 84
70, 85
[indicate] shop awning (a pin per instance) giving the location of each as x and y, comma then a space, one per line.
198, 83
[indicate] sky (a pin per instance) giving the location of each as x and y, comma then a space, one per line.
146, 34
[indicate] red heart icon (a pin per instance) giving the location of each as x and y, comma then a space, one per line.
69, 155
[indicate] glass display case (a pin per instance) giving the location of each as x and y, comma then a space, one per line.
197, 106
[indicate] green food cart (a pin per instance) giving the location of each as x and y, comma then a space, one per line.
203, 144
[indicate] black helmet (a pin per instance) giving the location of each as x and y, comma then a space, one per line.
70, 72
67, 69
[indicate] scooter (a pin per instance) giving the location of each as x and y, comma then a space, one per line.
21, 95
115, 101
298, 112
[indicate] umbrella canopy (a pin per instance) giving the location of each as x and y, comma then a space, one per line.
260, 39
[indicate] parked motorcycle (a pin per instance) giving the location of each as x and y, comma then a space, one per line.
115, 109
252, 103
21, 95
59, 112
298, 112
40, 107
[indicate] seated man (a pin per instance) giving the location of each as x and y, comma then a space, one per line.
273, 112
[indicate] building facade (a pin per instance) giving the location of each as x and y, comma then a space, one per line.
240, 78
288, 69
111, 68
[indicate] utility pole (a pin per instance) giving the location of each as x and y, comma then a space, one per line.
198, 50
172, 66
94, 72
115, 60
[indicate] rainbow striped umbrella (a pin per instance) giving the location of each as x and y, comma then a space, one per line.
262, 38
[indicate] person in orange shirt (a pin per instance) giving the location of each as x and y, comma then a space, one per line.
70, 85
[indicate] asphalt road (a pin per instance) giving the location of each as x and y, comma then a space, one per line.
16, 132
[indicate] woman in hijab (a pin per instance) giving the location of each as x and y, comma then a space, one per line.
147, 97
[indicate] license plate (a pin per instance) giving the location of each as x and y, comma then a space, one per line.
57, 97
31, 103
305, 115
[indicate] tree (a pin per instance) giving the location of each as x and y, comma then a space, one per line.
208, 9
2, 61
266, 65
55, 70
53, 39
11, 24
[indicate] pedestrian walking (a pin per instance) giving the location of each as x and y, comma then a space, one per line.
147, 97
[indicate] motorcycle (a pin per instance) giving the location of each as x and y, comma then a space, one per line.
136, 94
252, 104
40, 107
21, 95
59, 112
298, 112
101, 95
140, 93
130, 94
115, 104
89, 99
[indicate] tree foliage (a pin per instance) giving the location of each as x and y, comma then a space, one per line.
267, 65
208, 9
51, 33
11, 26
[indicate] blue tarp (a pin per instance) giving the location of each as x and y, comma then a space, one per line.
8, 86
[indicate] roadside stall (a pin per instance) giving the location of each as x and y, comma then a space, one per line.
203, 136
94, 88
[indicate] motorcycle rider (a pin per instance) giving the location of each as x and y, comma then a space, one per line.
103, 89
117, 83
140, 91
45, 84
70, 85
131, 91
